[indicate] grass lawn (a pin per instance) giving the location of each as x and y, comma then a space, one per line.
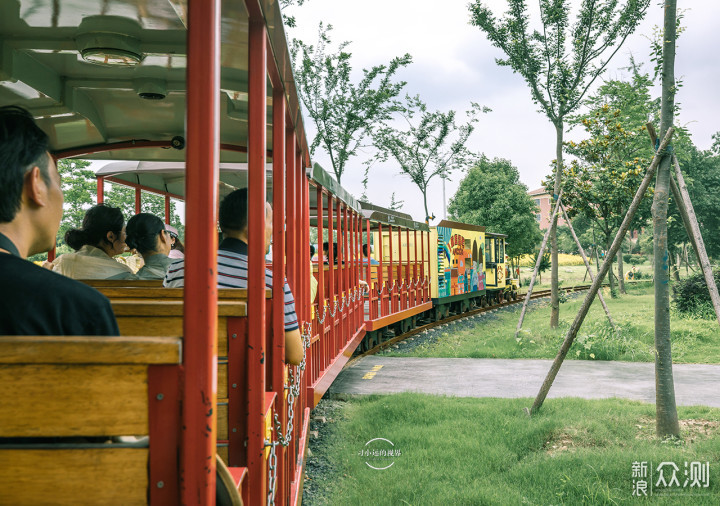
693, 340
486, 451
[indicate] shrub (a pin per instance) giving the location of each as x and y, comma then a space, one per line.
635, 259
691, 295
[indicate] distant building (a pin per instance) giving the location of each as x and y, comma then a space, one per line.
542, 200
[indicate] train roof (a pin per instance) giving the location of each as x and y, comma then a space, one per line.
385, 216
90, 110
169, 177
462, 226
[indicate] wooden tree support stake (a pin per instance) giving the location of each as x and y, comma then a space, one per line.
687, 212
587, 266
604, 268
537, 265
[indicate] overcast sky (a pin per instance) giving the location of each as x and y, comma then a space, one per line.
454, 64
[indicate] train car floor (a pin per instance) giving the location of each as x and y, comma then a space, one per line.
695, 384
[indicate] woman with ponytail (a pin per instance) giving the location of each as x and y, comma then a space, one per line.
146, 233
97, 241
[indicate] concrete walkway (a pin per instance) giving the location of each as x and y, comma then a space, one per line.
695, 384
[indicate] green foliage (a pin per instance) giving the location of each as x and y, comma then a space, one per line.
432, 146
491, 195
344, 113
79, 189
289, 20
544, 262
562, 62
692, 297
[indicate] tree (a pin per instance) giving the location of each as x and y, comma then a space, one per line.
344, 113
601, 183
492, 195
559, 64
79, 189
290, 20
544, 262
123, 197
432, 146
665, 408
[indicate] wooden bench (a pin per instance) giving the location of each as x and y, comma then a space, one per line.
78, 388
136, 283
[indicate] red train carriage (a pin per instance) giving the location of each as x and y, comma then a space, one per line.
200, 82
337, 315
397, 272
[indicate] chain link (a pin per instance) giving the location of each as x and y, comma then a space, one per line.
293, 388
272, 473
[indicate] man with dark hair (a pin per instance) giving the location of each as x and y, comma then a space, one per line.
33, 300
233, 264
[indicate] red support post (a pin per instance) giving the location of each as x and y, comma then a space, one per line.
391, 274
381, 275
199, 427
290, 196
401, 292
138, 199
278, 266
368, 271
332, 291
257, 107
429, 273
100, 190
322, 313
408, 287
167, 209
415, 267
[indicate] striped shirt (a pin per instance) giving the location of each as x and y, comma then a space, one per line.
233, 273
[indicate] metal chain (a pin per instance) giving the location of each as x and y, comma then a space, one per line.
293, 388
380, 291
332, 313
272, 474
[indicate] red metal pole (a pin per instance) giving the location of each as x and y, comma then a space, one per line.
321, 280
290, 210
415, 266
167, 209
332, 289
391, 274
381, 274
100, 190
257, 100
278, 343
401, 292
138, 198
429, 273
200, 325
368, 273
408, 293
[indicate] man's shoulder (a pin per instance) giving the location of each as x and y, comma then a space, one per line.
45, 281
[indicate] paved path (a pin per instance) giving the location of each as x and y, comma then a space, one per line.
695, 384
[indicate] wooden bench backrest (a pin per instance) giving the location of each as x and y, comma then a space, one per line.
77, 387
116, 283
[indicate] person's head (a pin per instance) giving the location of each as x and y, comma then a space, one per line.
234, 217
326, 247
365, 250
312, 251
175, 242
102, 227
146, 233
30, 187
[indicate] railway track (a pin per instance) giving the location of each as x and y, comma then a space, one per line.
417, 330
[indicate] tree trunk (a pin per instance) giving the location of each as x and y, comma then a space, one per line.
554, 293
621, 273
676, 271
665, 408
608, 243
602, 272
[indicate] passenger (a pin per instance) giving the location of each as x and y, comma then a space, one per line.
146, 233
233, 264
101, 237
313, 281
177, 249
326, 250
33, 300
365, 256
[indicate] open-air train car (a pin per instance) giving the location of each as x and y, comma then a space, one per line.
204, 83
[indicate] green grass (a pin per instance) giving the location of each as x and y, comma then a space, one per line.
486, 451
693, 340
